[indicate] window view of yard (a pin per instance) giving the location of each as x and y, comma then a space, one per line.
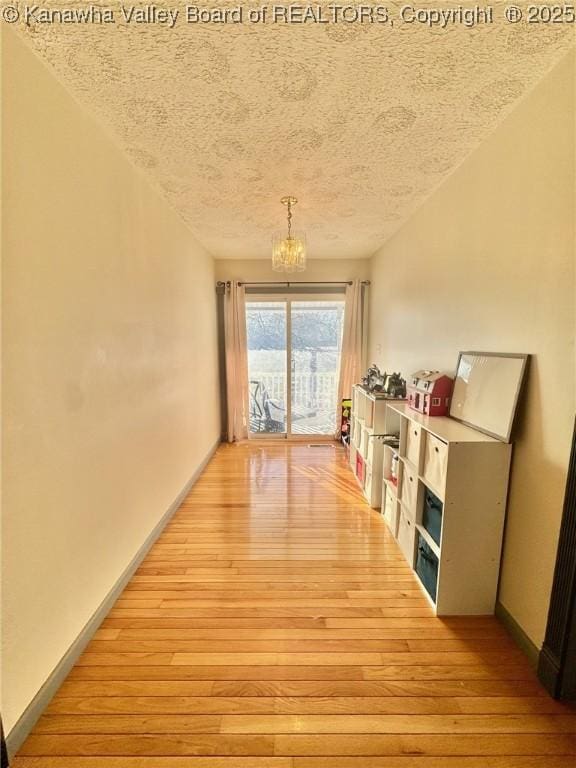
314, 355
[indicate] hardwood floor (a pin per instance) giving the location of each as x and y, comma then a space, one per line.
275, 624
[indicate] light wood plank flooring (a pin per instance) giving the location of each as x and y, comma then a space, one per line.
275, 624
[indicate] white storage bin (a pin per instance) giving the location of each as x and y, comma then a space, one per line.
361, 405
353, 453
413, 437
406, 536
409, 493
364, 443
390, 507
435, 463
357, 434
369, 413
368, 480
371, 449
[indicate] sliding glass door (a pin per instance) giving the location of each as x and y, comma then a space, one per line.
294, 347
267, 339
315, 345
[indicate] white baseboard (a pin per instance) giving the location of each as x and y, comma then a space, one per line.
27, 720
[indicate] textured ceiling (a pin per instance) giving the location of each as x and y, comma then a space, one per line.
360, 121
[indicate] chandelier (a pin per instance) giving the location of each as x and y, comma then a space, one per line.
289, 252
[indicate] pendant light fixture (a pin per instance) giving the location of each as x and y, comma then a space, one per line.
289, 251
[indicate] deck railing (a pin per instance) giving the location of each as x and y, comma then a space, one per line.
310, 390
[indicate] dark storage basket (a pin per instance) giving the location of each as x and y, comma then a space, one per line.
432, 515
427, 567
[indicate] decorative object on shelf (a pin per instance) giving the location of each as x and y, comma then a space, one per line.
429, 393
289, 252
395, 386
374, 380
390, 384
487, 390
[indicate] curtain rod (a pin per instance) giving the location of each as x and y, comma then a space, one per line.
298, 282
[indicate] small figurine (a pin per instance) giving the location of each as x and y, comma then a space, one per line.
390, 384
395, 386
374, 379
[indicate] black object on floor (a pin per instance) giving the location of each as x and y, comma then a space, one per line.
4, 751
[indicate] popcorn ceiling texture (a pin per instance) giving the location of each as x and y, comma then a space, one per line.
360, 121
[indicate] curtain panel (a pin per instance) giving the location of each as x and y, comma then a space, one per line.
236, 358
353, 349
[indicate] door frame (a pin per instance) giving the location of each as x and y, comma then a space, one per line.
557, 660
288, 298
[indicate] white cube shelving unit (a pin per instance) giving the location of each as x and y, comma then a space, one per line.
370, 419
457, 559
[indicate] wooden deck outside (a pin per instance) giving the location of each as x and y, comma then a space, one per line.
276, 624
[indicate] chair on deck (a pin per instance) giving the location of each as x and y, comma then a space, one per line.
266, 414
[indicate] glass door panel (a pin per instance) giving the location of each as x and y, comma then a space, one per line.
315, 349
266, 335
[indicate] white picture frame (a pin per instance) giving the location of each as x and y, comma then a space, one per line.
486, 391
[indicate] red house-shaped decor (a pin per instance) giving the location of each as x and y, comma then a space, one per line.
429, 393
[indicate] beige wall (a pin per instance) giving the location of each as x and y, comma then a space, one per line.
488, 263
110, 368
259, 270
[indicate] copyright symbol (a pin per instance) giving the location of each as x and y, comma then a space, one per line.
10, 14
513, 14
